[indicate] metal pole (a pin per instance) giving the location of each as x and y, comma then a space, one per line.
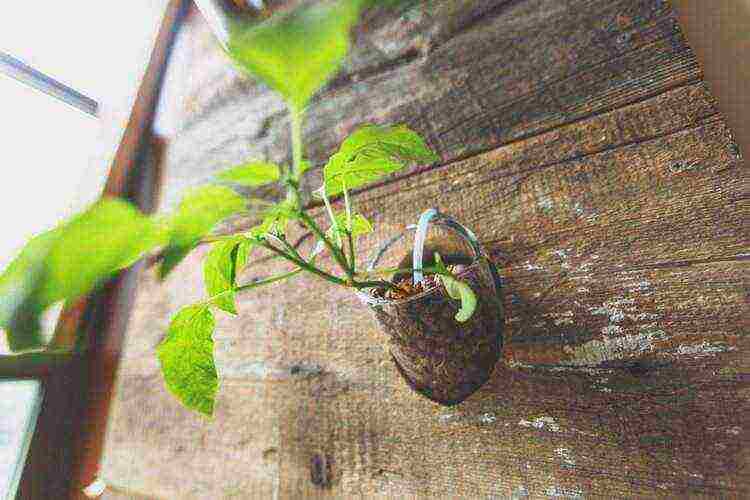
24, 73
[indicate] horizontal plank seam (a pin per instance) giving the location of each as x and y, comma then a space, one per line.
525, 137
390, 65
538, 168
715, 116
664, 265
347, 79
589, 68
692, 262
477, 19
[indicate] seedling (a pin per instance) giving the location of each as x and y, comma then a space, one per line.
294, 54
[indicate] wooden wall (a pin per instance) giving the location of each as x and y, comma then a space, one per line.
579, 141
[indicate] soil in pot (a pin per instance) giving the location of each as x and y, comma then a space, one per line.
440, 358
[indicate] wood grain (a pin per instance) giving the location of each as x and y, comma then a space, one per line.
579, 143
528, 67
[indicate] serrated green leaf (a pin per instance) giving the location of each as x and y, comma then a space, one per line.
68, 262
457, 290
186, 357
397, 141
296, 53
223, 262
251, 174
198, 213
360, 225
372, 152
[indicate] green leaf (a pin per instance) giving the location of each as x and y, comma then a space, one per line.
360, 225
296, 53
260, 230
372, 152
251, 174
20, 307
457, 290
198, 213
68, 262
277, 217
187, 359
109, 236
304, 166
242, 255
223, 262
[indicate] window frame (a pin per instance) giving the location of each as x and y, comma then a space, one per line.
68, 440
22, 72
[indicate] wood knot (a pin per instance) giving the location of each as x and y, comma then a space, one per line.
321, 470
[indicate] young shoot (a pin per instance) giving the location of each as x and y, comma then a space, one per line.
294, 54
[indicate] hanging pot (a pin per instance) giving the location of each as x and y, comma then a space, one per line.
438, 357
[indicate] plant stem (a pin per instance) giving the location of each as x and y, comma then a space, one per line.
267, 281
335, 251
292, 193
352, 259
329, 209
304, 265
374, 284
289, 248
393, 270
254, 284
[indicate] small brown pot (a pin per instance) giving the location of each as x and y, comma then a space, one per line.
440, 358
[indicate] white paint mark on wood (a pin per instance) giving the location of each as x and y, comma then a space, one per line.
562, 318
545, 203
533, 267
639, 286
541, 423
610, 348
610, 330
560, 492
703, 349
643, 316
519, 493
447, 418
566, 457
615, 309
487, 418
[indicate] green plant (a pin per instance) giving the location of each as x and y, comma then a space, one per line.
295, 54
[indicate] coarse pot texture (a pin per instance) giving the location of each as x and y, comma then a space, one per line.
440, 358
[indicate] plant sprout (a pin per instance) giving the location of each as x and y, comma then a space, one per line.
294, 54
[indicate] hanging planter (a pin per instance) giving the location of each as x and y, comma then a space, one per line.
438, 356
443, 317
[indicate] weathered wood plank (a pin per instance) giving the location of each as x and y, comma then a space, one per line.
619, 262
467, 87
579, 143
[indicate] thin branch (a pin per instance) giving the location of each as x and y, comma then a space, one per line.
374, 284
304, 265
331, 216
267, 281
350, 238
336, 252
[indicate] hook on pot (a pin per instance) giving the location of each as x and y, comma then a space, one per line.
431, 216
